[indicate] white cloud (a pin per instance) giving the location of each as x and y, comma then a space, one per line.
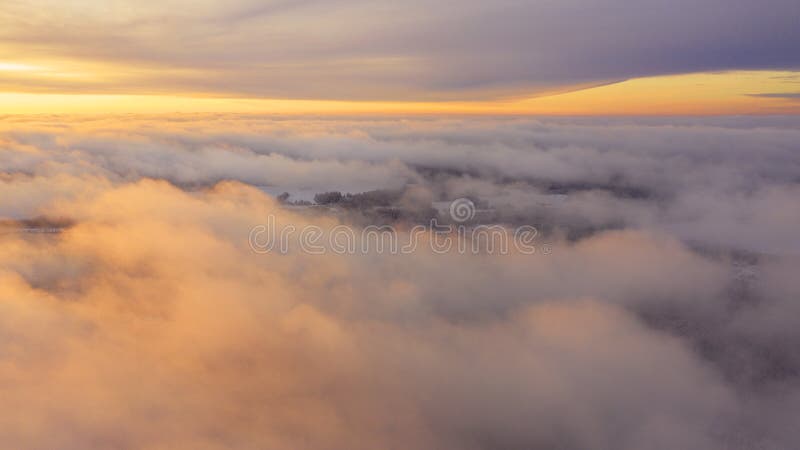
150, 323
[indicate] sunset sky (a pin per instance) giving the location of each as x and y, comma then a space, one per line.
354, 56
399, 224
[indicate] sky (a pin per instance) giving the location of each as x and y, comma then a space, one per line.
443, 56
646, 153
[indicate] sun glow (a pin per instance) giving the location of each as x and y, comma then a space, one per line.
6, 66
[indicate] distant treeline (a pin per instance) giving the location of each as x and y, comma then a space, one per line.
363, 200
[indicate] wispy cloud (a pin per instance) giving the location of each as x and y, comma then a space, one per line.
784, 95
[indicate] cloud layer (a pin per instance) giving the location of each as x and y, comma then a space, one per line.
148, 322
723, 181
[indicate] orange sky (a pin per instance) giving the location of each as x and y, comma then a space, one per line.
354, 57
705, 93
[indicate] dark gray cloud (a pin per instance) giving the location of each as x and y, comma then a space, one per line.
788, 95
